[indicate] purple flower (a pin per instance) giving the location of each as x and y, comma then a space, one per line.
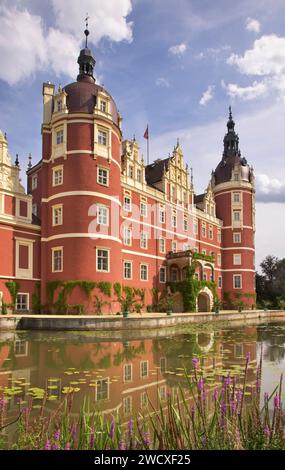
57, 435
227, 381
216, 394
277, 402
112, 428
130, 427
238, 395
67, 446
146, 439
92, 439
54, 447
47, 445
122, 445
223, 408
195, 362
201, 384
247, 356
73, 431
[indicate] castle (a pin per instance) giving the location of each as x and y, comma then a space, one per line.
94, 212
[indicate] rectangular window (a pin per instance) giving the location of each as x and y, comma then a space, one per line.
219, 236
127, 270
102, 389
219, 260
174, 247
139, 176
237, 237
195, 227
131, 172
173, 220
57, 176
220, 282
127, 405
128, 372
162, 365
211, 233
144, 399
34, 182
57, 260
162, 216
103, 106
127, 238
174, 274
162, 274
59, 105
103, 176
102, 215
127, 204
236, 215
35, 210
59, 137
143, 272
143, 209
162, 245
57, 212
237, 281
102, 260
237, 259
236, 198
162, 393
143, 240
144, 369
22, 302
185, 225
102, 138
204, 230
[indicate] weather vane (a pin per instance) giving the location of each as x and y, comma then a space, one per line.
86, 32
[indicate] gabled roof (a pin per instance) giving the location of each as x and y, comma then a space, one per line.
199, 198
154, 171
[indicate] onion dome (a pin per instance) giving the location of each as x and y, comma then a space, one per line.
231, 157
82, 94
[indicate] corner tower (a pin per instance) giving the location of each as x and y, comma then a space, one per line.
80, 174
234, 191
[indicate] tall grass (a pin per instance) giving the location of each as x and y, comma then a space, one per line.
231, 423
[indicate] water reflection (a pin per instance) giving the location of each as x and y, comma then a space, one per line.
124, 375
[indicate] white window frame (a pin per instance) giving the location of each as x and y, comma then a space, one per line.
173, 220
54, 250
34, 182
127, 205
35, 209
237, 259
234, 197
211, 232
142, 374
162, 269
103, 106
102, 137
234, 282
139, 175
143, 209
27, 295
101, 178
57, 213
161, 215
162, 245
128, 378
59, 136
108, 259
146, 266
239, 236
102, 215
144, 240
127, 236
57, 175
174, 246
130, 267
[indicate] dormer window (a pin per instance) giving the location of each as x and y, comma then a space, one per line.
131, 172
236, 177
103, 106
139, 176
59, 105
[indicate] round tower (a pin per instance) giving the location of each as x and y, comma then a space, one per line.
233, 187
80, 177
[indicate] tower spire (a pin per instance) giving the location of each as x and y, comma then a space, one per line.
231, 139
86, 32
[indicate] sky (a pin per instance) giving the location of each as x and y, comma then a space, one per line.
174, 65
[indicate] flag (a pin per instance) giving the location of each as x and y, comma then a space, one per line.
146, 133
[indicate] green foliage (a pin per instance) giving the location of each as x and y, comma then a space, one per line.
105, 288
51, 288
36, 299
4, 308
203, 257
60, 305
117, 289
99, 303
13, 287
270, 285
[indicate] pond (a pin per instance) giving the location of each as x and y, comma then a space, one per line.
125, 376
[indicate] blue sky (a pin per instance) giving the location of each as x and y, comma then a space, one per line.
176, 65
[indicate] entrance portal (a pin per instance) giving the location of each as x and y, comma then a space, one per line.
205, 300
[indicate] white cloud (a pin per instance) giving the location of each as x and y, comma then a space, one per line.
163, 82
251, 92
207, 95
107, 18
179, 49
267, 57
33, 47
269, 189
252, 25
